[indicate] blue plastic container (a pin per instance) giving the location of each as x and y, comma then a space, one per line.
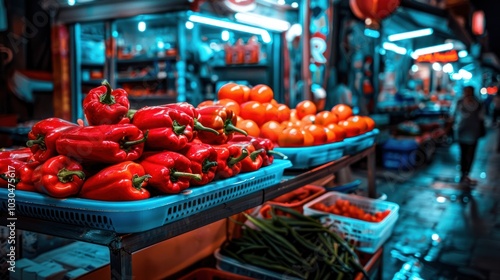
356, 144
400, 154
310, 156
142, 215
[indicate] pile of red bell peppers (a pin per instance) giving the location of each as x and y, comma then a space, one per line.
127, 155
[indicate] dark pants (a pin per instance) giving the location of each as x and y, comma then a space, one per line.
467, 152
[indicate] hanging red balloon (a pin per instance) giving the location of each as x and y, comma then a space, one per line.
376, 10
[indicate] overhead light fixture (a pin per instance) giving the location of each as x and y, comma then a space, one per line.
410, 34
294, 5
371, 33
225, 35
71, 2
395, 48
231, 25
189, 24
263, 21
448, 68
432, 49
141, 26
463, 53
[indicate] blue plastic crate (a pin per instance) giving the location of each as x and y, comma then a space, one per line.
310, 156
400, 154
142, 215
356, 144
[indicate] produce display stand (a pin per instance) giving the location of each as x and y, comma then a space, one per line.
122, 246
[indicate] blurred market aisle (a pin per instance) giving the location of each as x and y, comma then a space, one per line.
445, 231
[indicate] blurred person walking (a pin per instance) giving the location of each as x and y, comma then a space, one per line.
468, 115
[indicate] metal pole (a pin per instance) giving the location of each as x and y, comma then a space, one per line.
305, 19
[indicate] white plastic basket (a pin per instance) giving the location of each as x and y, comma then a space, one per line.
367, 236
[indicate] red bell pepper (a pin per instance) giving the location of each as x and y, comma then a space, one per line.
261, 143
22, 154
254, 159
103, 143
43, 137
124, 181
17, 173
229, 159
170, 171
222, 120
193, 113
103, 105
59, 177
169, 129
203, 159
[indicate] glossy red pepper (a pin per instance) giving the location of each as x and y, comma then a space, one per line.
17, 173
59, 177
254, 159
229, 159
103, 105
43, 137
261, 143
103, 143
169, 129
22, 154
124, 181
203, 159
192, 112
170, 171
222, 120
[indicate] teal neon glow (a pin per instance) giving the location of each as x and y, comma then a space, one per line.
189, 24
141, 26
262, 21
371, 33
231, 25
433, 49
395, 48
224, 35
463, 53
410, 34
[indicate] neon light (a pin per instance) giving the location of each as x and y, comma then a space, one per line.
411, 34
436, 66
448, 68
449, 56
432, 49
295, 5
395, 48
371, 33
225, 35
189, 25
141, 26
263, 21
231, 25
463, 53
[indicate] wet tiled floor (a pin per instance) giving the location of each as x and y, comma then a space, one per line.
444, 230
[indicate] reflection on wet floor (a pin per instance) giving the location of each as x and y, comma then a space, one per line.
445, 230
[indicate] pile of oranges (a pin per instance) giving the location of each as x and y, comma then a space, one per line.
260, 115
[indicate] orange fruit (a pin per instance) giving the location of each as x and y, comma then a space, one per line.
342, 111
326, 118
230, 104
308, 119
246, 93
261, 93
351, 128
253, 110
232, 91
291, 137
271, 130
272, 113
330, 135
340, 132
370, 123
360, 121
250, 127
283, 112
205, 103
318, 132
305, 107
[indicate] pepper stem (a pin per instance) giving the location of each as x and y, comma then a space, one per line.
7, 178
131, 113
253, 156
200, 127
128, 144
64, 175
176, 174
207, 164
40, 141
107, 98
229, 127
137, 180
177, 128
273, 152
234, 160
